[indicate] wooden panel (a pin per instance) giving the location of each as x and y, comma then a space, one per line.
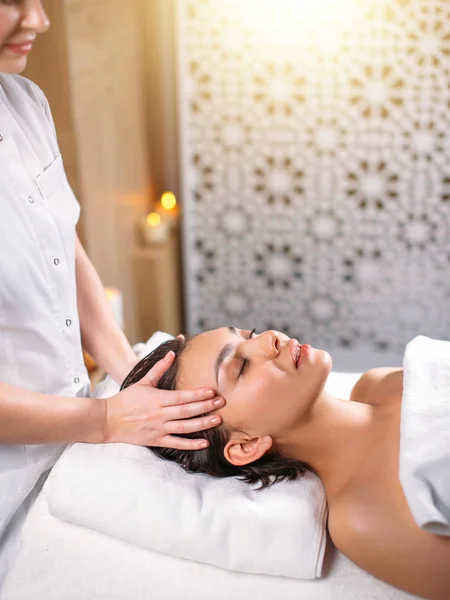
160, 39
158, 288
107, 85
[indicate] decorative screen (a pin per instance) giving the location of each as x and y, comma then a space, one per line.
316, 166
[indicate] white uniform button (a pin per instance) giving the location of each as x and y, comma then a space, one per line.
30, 199
68, 322
1, 138
56, 261
76, 380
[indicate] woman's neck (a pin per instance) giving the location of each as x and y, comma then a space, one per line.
334, 438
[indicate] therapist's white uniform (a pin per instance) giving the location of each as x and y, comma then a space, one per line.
40, 343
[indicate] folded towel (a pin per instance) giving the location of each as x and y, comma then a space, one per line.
128, 493
425, 433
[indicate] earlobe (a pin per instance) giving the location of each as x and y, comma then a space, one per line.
243, 450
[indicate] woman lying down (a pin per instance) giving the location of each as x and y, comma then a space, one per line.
279, 421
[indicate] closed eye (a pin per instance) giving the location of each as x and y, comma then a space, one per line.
245, 361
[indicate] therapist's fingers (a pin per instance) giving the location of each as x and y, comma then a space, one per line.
180, 397
179, 443
193, 425
158, 369
194, 409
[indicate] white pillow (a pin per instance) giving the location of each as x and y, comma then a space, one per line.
127, 492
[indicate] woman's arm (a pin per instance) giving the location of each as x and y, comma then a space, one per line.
141, 414
101, 335
31, 418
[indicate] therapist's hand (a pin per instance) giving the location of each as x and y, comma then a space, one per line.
146, 416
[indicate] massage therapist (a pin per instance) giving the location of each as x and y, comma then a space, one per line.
51, 299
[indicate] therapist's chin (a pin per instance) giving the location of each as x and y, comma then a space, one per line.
14, 66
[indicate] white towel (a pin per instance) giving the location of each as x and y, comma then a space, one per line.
425, 433
128, 493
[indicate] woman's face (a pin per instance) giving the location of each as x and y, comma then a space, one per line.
267, 391
20, 23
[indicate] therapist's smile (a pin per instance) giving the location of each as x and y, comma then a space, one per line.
21, 21
21, 49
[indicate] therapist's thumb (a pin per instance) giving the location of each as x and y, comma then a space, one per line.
158, 369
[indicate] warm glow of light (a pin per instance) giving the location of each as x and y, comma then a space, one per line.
168, 201
304, 10
276, 22
154, 219
112, 293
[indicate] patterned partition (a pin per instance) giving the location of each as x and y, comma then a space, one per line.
316, 168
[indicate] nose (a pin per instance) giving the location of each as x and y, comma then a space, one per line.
35, 17
267, 344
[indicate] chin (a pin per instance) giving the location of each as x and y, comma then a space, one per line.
327, 364
13, 67
327, 360
323, 359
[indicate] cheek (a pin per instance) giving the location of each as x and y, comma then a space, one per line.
256, 401
267, 388
9, 21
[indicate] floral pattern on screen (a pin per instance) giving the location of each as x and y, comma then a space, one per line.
316, 168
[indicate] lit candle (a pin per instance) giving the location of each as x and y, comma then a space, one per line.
116, 302
169, 208
155, 230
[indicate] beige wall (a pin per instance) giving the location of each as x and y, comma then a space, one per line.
106, 64
160, 39
90, 65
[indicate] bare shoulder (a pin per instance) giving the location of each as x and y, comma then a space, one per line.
376, 383
386, 542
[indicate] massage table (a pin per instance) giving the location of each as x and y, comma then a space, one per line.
63, 561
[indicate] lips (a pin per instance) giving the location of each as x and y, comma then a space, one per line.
21, 49
298, 352
295, 351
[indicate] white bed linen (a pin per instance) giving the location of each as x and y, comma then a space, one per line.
61, 561
128, 493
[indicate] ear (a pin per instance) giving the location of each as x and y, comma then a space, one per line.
243, 450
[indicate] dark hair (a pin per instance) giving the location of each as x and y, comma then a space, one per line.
268, 469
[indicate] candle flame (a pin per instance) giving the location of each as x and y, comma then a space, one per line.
154, 219
168, 201
112, 293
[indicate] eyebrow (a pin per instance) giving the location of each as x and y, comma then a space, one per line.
226, 351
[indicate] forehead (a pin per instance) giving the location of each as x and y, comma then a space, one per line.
197, 363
